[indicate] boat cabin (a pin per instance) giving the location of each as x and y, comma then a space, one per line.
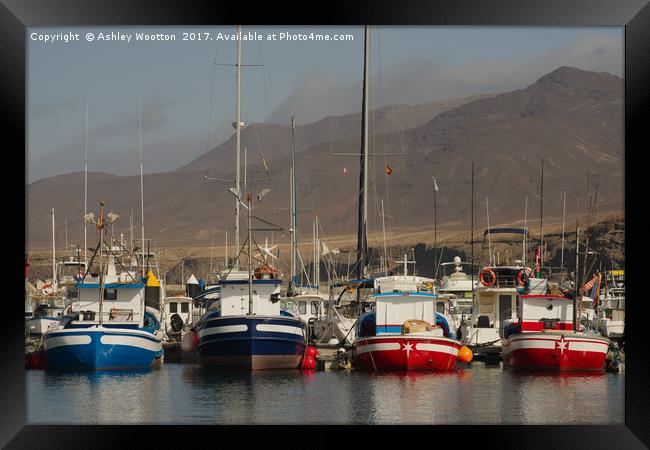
494, 305
123, 298
180, 305
458, 283
234, 299
70, 271
537, 313
403, 313
394, 309
306, 306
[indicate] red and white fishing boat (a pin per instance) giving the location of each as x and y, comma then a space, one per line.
404, 332
543, 338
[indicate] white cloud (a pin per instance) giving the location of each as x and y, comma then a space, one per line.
418, 80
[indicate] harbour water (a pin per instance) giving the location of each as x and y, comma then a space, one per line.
186, 394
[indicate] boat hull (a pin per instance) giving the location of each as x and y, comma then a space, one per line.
40, 325
251, 342
405, 352
99, 348
557, 352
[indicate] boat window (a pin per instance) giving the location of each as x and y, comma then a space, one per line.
314, 308
440, 307
302, 307
185, 307
110, 294
173, 307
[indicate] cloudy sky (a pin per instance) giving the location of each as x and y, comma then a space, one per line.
188, 101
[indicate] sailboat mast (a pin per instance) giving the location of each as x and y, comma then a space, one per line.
294, 204
237, 141
53, 254
383, 231
86, 188
563, 218
523, 253
317, 257
292, 264
487, 211
362, 241
472, 234
102, 280
141, 188
541, 216
577, 281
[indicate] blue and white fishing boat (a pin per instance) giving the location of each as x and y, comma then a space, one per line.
245, 328
240, 334
107, 326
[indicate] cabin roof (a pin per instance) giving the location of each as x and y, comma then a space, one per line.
111, 285
263, 281
406, 294
556, 297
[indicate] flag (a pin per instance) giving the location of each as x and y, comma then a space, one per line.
435, 185
345, 170
538, 271
596, 292
590, 284
389, 170
325, 249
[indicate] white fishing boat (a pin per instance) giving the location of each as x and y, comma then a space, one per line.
405, 331
458, 288
544, 336
495, 299
610, 320
177, 313
44, 318
107, 326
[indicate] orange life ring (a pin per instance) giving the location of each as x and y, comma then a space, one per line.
265, 270
522, 278
493, 277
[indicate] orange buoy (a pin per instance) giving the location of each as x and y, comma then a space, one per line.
189, 341
308, 363
465, 354
311, 351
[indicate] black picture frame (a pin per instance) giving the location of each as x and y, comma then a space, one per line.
634, 15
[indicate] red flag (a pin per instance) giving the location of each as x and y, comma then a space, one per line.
389, 170
590, 284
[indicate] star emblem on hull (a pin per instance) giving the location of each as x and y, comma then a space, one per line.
408, 347
562, 345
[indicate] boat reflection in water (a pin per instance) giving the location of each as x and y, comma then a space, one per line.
187, 394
